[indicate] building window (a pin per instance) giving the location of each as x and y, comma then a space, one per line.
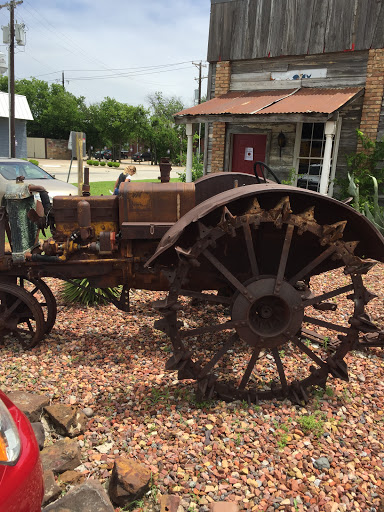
310, 160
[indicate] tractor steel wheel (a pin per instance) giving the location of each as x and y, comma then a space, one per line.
21, 317
42, 293
268, 329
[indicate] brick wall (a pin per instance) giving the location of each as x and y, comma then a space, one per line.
218, 147
223, 77
58, 149
373, 97
222, 83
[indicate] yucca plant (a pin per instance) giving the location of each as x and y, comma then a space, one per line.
81, 292
373, 213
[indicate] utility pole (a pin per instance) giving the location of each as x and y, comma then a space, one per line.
200, 79
11, 75
62, 79
199, 65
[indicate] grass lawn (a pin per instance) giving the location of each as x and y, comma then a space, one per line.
99, 188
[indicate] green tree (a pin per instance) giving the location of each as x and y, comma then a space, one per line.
162, 135
55, 111
119, 123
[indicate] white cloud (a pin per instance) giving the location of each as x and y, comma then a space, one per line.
97, 35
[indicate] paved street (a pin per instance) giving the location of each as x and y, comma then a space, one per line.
60, 168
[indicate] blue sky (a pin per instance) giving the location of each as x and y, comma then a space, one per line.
125, 49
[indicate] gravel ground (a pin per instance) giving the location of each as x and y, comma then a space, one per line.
263, 457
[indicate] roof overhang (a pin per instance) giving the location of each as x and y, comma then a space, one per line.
300, 105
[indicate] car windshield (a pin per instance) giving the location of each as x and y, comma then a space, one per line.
12, 170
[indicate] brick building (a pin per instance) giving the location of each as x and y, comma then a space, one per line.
290, 86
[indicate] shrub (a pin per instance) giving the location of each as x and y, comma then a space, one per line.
95, 163
89, 162
35, 162
102, 164
372, 211
312, 423
116, 164
362, 165
110, 164
87, 294
197, 169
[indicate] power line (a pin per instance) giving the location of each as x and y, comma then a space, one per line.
126, 75
77, 48
139, 68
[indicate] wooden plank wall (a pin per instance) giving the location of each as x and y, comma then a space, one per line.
250, 29
348, 136
343, 70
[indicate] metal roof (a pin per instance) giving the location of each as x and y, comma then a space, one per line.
301, 101
22, 110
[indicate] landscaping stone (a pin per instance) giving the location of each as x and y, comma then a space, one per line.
66, 419
88, 497
29, 403
51, 490
88, 412
72, 477
38, 429
129, 481
169, 503
61, 456
322, 463
223, 507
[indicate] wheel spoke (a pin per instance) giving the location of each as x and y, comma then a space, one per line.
328, 295
313, 264
29, 325
284, 257
249, 369
250, 249
224, 349
228, 275
300, 345
209, 328
280, 369
327, 325
9, 311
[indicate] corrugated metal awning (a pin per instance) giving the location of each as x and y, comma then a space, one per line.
300, 101
22, 110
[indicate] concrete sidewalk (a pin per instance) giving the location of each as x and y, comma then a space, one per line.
145, 171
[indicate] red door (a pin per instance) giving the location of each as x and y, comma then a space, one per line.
247, 149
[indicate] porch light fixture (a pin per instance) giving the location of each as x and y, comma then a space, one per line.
281, 141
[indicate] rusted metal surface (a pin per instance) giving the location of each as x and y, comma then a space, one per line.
215, 183
248, 250
302, 100
269, 306
165, 170
148, 202
328, 210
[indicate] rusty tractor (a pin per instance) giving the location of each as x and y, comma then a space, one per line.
240, 258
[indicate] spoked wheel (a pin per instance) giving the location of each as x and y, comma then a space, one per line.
42, 293
265, 329
21, 317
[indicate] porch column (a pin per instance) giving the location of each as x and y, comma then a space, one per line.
188, 167
329, 130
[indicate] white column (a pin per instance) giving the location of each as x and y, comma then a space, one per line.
329, 130
188, 168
